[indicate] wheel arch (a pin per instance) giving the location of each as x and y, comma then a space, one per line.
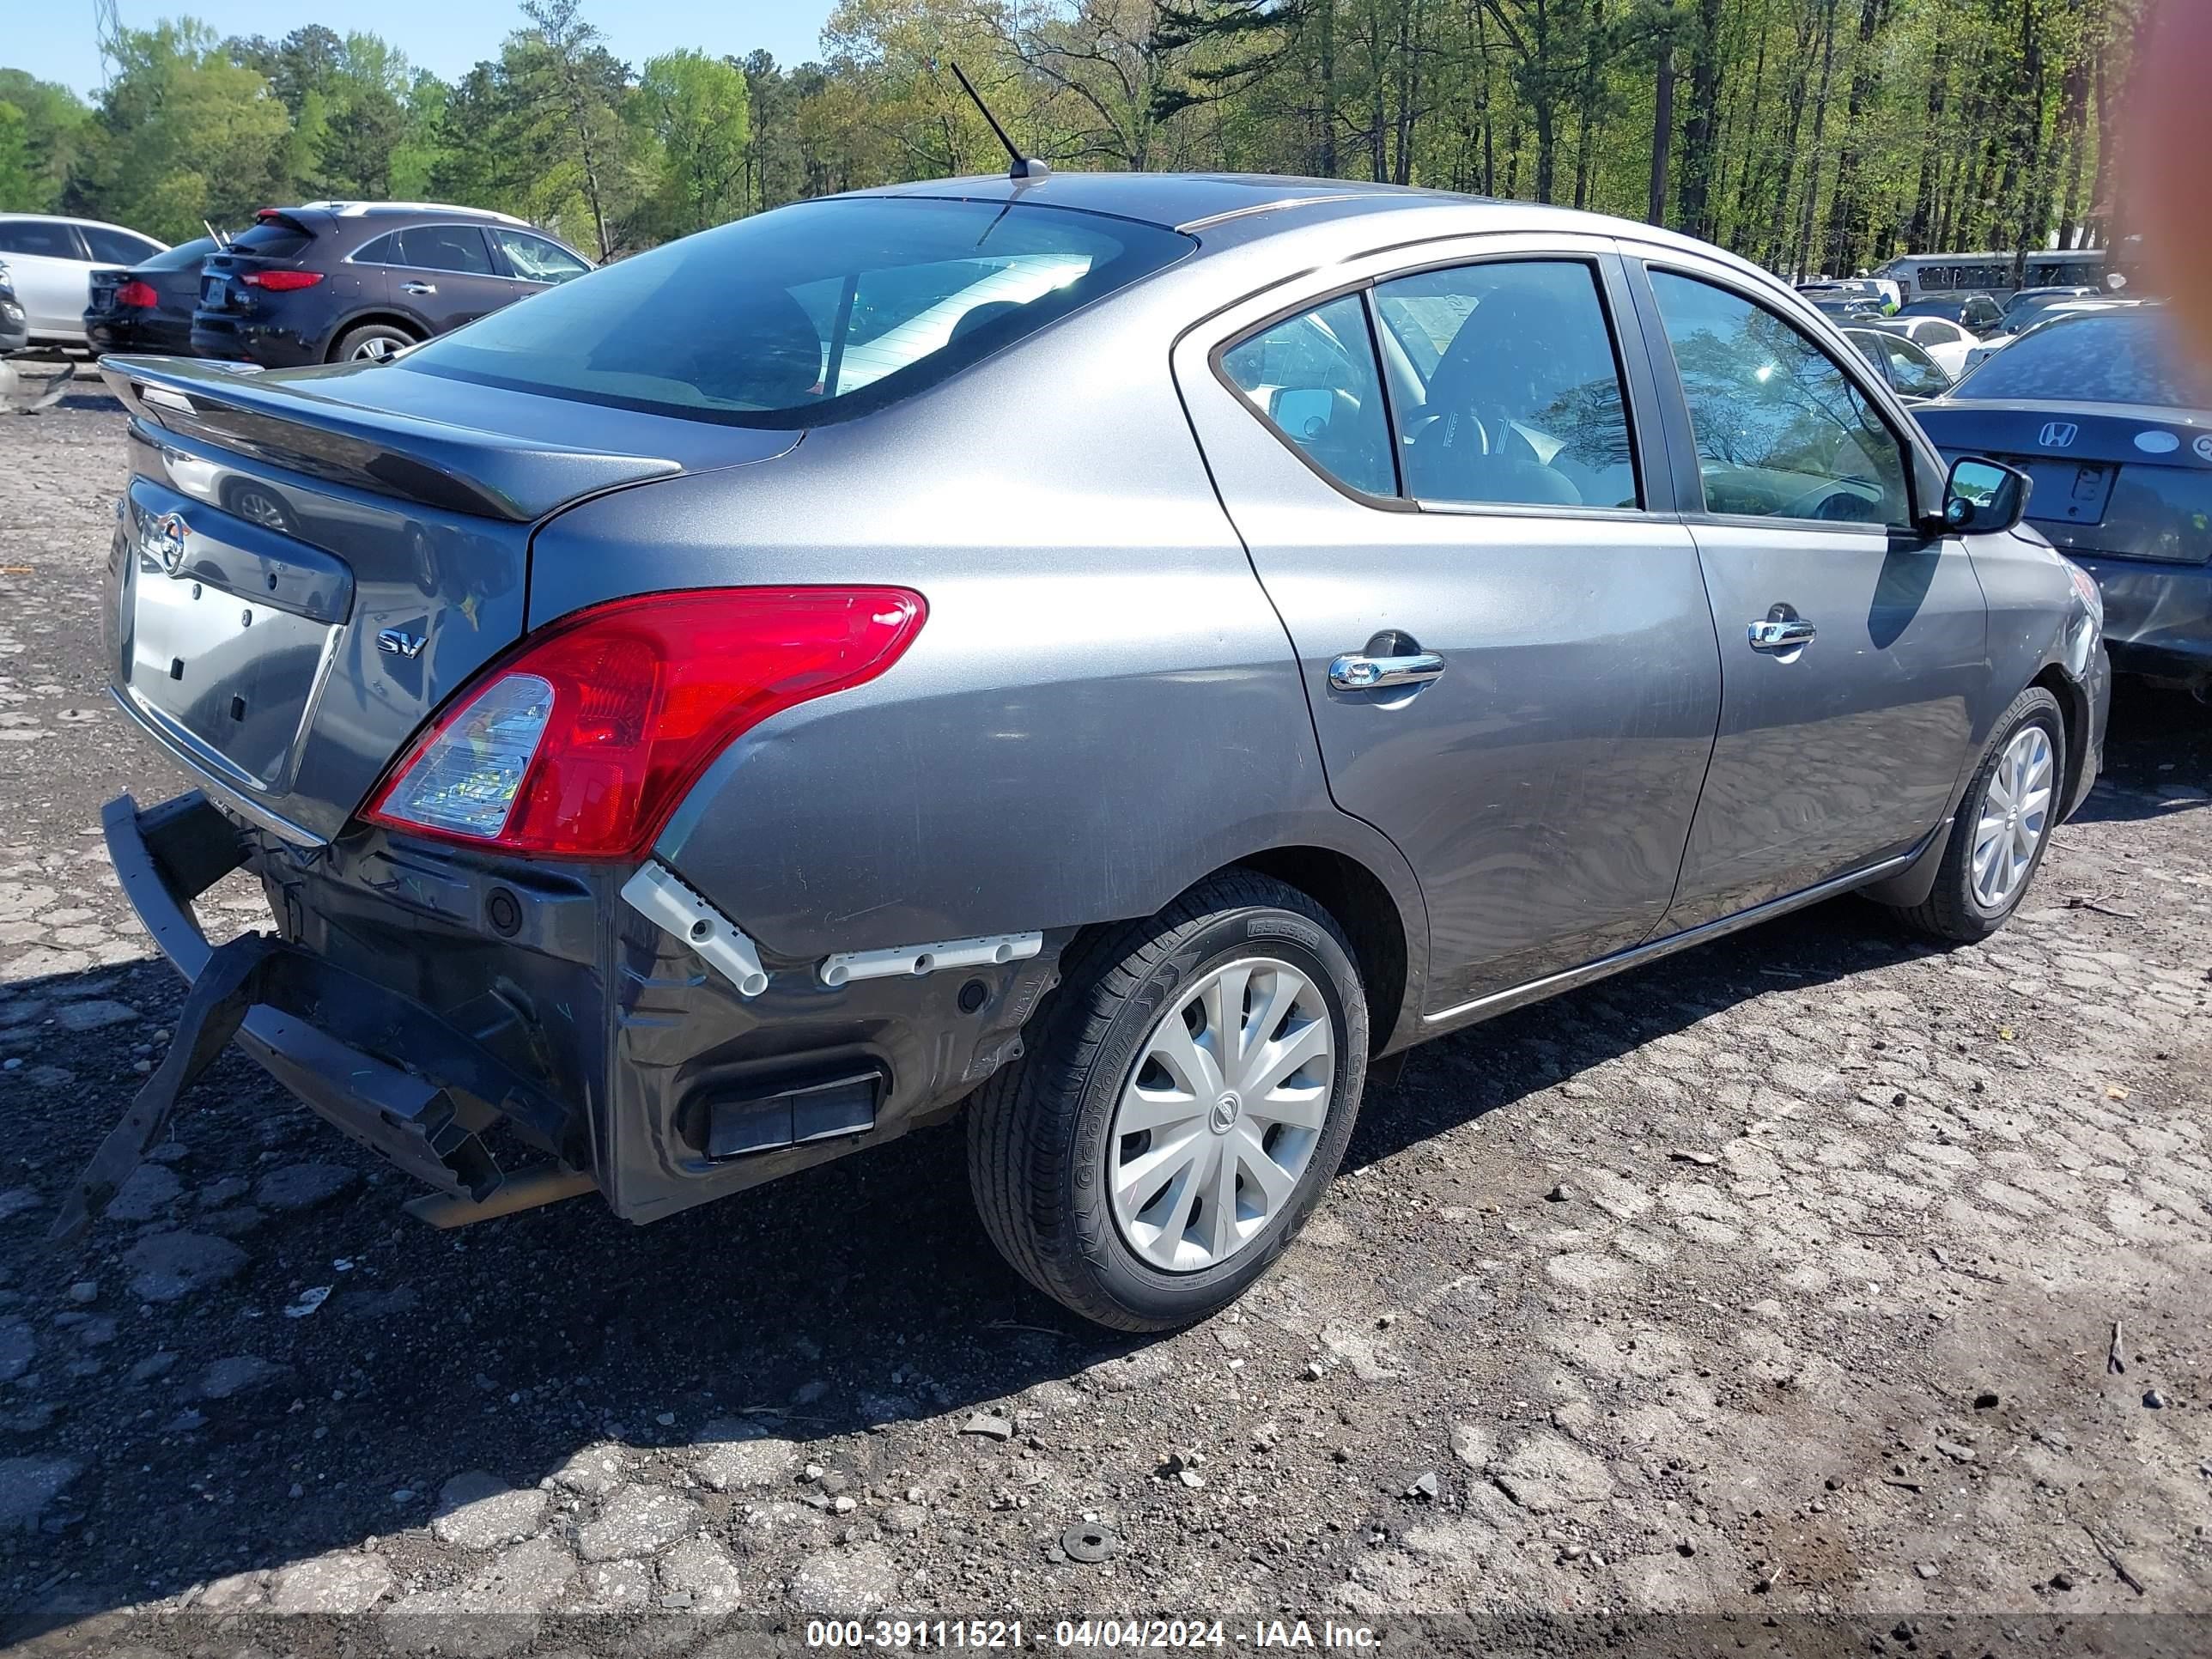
390, 318
1388, 942
2073, 718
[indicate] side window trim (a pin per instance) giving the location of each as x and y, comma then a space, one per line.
1216, 361
1689, 483
1652, 446
493, 254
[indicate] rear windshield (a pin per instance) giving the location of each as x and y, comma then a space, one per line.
812, 314
2127, 357
185, 253
275, 237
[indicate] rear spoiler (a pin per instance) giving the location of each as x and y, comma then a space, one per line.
292, 424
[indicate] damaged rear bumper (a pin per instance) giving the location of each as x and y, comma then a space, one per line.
319, 1030
502, 1028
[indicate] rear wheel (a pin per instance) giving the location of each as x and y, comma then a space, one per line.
371, 342
2003, 825
1190, 1094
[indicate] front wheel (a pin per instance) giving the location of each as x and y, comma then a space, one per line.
1190, 1092
2003, 825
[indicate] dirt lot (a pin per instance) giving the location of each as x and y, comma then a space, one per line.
1759, 1299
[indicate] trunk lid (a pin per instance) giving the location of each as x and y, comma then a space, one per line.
2112, 480
307, 564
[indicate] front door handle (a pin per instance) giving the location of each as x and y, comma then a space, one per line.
1779, 637
418, 288
1364, 673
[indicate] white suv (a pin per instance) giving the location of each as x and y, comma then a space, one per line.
52, 261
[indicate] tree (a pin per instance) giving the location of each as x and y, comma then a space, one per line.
18, 188
186, 134
1806, 134
695, 108
575, 85
50, 143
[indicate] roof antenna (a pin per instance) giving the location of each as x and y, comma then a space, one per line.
1024, 166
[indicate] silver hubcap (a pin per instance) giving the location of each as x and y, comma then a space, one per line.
1221, 1114
257, 509
2016, 812
374, 351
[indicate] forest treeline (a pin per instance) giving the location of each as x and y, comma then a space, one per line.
1809, 135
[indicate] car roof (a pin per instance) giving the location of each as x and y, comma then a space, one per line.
95, 224
1253, 207
351, 209
1176, 201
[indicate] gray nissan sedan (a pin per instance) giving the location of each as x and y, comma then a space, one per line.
1113, 655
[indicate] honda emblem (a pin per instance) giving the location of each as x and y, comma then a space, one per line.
2058, 434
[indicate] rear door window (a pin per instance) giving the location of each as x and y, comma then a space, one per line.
445, 248
384, 251
117, 248
40, 238
1519, 399
1313, 378
810, 313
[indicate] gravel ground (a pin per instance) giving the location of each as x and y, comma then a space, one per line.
1766, 1292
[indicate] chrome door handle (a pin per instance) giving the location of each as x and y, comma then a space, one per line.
1778, 638
418, 288
1358, 673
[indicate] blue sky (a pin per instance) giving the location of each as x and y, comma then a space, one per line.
53, 39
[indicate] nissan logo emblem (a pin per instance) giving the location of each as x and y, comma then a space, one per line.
168, 540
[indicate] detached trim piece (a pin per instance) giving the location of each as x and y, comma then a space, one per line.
993, 949
659, 895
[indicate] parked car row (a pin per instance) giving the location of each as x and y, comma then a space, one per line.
321, 282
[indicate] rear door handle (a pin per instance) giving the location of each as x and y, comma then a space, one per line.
1779, 638
1362, 673
418, 288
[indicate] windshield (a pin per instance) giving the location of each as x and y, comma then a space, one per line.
812, 314
2112, 359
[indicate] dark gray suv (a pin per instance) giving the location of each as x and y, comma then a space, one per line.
333, 282
1113, 655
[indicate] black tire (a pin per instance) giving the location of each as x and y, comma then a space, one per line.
354, 340
1037, 1130
1951, 910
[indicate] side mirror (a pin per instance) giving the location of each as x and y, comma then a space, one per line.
1303, 412
1984, 495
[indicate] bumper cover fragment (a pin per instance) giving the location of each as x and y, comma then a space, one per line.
322, 1031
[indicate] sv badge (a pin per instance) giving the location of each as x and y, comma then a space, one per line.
396, 643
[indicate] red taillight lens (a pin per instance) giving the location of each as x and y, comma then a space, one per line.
281, 281
581, 743
138, 294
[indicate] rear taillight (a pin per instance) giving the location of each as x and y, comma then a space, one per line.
281, 281
139, 294
583, 741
